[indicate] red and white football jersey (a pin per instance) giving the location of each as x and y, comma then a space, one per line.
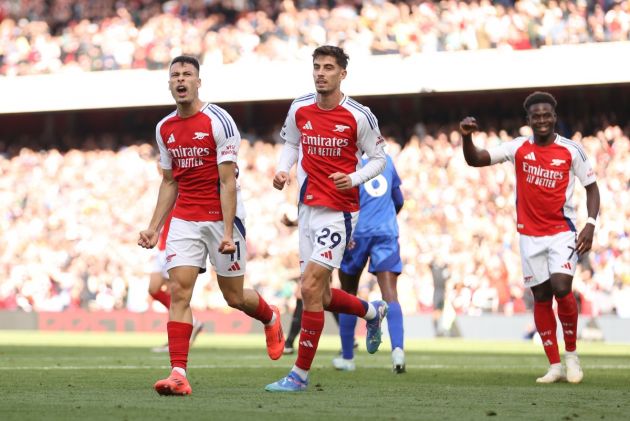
192, 148
545, 178
330, 141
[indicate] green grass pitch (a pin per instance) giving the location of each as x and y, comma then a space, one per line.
104, 376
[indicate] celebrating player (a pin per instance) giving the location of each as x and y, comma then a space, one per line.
326, 133
375, 237
198, 146
546, 166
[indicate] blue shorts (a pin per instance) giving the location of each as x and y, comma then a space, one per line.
384, 254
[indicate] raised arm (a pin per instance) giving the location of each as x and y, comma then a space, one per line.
474, 157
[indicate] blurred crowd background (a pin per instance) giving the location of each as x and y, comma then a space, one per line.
70, 223
71, 205
47, 36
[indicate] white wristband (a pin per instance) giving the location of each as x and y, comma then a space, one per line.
591, 221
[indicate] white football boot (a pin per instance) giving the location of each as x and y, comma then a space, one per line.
342, 364
398, 361
554, 375
574, 370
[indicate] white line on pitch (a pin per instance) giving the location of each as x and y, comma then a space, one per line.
266, 366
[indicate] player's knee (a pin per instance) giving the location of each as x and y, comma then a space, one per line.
180, 293
561, 291
311, 291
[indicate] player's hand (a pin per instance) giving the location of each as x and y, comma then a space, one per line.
281, 178
585, 239
468, 125
227, 246
148, 238
287, 222
342, 181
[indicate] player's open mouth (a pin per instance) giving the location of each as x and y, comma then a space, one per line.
181, 90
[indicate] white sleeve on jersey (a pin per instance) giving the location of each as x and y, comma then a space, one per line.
371, 143
226, 134
291, 135
166, 161
505, 151
581, 166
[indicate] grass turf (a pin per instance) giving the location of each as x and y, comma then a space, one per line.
104, 376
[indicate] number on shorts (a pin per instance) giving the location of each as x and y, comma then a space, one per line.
238, 251
335, 238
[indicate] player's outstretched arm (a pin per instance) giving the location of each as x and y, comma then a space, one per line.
585, 238
474, 157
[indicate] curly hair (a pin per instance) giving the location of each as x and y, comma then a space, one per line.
539, 98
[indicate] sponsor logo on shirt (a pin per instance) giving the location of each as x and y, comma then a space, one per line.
308, 126
540, 176
323, 146
530, 156
188, 157
171, 139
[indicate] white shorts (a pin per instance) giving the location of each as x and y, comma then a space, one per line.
158, 263
542, 256
324, 234
191, 243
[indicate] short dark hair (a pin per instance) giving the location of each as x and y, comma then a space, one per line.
337, 52
539, 97
186, 59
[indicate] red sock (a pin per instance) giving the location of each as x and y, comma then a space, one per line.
342, 302
263, 312
179, 343
568, 315
312, 326
163, 297
546, 325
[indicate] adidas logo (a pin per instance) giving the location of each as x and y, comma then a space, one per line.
548, 342
567, 265
569, 332
171, 139
308, 125
235, 266
327, 255
307, 344
530, 156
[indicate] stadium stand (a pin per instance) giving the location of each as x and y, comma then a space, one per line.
40, 36
72, 232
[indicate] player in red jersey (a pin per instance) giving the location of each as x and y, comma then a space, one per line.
199, 145
326, 133
546, 167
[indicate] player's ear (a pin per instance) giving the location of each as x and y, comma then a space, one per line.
344, 72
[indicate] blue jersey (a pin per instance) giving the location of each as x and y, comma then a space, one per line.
378, 209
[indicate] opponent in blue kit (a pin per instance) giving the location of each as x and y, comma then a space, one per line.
375, 237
